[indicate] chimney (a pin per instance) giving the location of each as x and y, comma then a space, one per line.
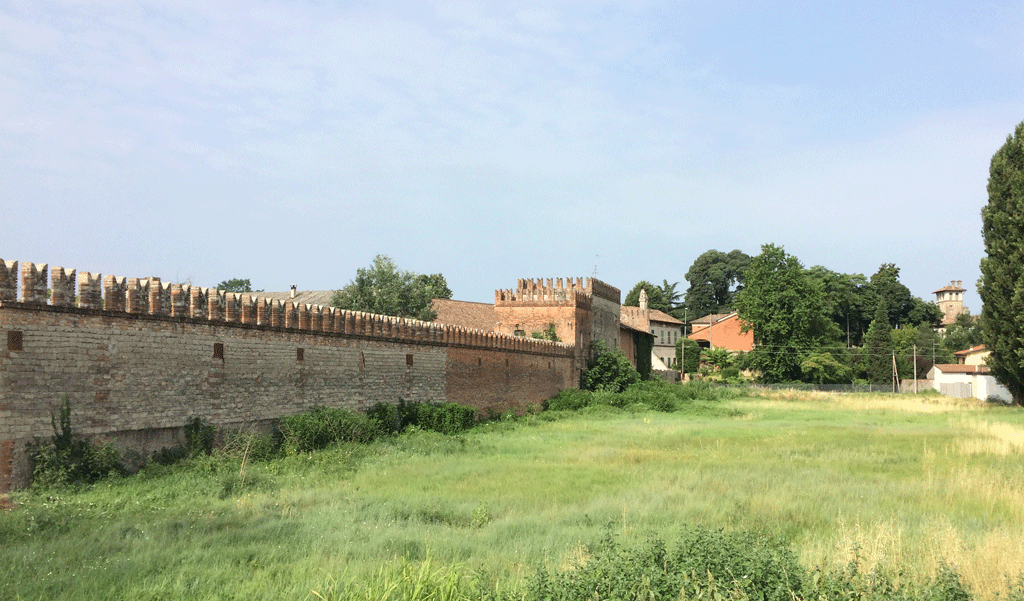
293, 290
959, 283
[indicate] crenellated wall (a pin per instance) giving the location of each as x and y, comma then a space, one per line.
582, 310
138, 357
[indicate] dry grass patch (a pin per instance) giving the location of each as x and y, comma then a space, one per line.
995, 438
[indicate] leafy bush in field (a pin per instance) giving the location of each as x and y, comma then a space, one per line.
66, 459
569, 399
851, 583
447, 418
320, 427
718, 565
608, 370
655, 394
705, 564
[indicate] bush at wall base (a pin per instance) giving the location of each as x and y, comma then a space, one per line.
68, 460
608, 370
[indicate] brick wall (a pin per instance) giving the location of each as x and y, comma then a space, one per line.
135, 374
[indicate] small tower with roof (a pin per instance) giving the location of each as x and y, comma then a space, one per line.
950, 300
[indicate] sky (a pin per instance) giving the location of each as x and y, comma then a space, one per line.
291, 142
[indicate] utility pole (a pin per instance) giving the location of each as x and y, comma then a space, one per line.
915, 369
682, 347
895, 375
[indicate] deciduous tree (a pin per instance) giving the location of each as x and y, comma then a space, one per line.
655, 298
1001, 287
786, 312
235, 285
385, 289
962, 334
715, 278
846, 300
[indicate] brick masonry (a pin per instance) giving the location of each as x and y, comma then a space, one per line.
147, 356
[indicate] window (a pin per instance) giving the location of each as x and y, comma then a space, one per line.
300, 354
14, 339
218, 350
408, 360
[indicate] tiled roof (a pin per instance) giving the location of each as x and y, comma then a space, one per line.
308, 297
711, 318
662, 317
477, 316
625, 326
971, 351
948, 368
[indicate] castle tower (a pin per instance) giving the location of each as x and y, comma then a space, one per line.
950, 300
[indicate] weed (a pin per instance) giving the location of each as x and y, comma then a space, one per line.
67, 459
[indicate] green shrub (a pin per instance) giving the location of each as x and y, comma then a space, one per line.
569, 399
200, 436
608, 370
320, 427
169, 455
706, 563
251, 446
447, 418
66, 459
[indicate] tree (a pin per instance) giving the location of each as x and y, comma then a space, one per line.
878, 348
715, 278
608, 370
672, 297
786, 312
823, 368
692, 357
962, 334
1001, 287
846, 300
235, 285
885, 287
655, 298
384, 289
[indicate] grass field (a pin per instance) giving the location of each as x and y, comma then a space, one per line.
896, 483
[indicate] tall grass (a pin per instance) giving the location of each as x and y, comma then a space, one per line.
894, 485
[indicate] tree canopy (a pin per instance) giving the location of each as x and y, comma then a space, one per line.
845, 297
715, 278
1001, 287
878, 347
672, 297
655, 297
235, 285
385, 289
786, 311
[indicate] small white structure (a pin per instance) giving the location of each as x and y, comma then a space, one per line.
968, 381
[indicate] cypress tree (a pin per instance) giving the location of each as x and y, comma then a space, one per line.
878, 344
1002, 269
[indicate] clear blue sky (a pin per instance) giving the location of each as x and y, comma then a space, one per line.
290, 142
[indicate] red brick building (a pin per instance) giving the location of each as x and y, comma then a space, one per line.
722, 331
